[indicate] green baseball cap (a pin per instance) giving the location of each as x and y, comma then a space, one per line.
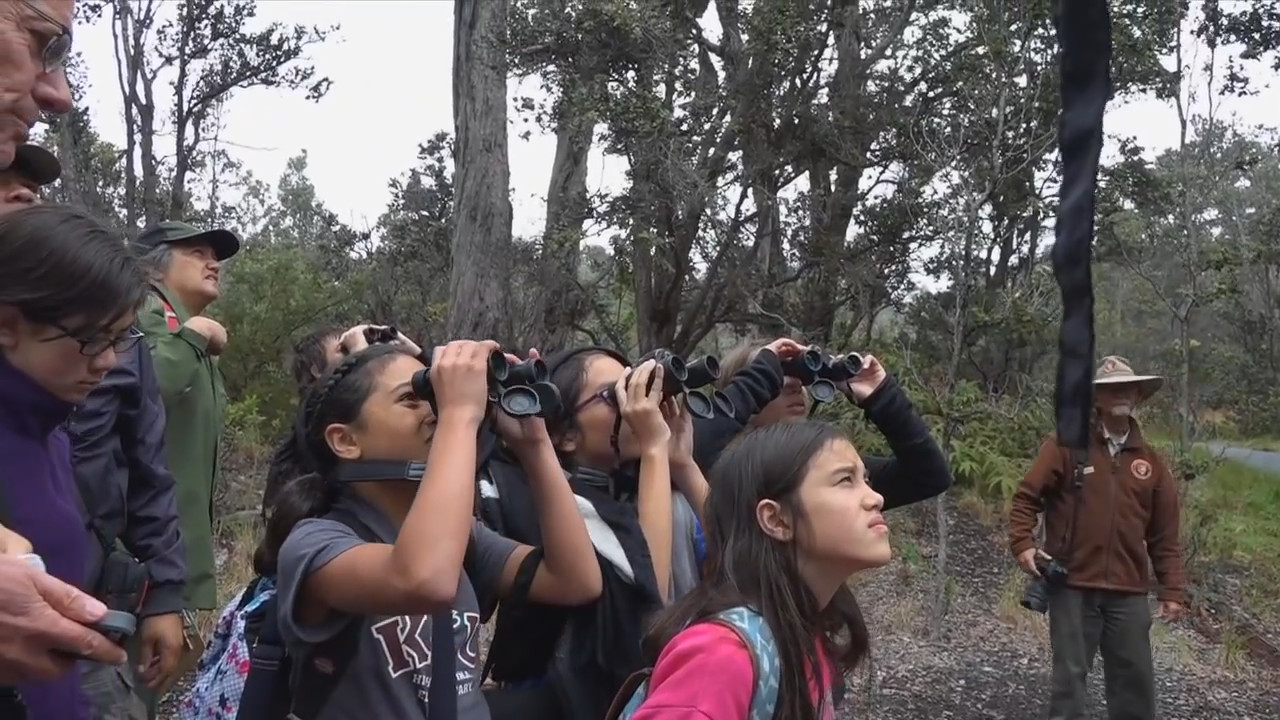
224, 242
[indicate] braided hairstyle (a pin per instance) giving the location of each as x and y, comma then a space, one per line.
337, 398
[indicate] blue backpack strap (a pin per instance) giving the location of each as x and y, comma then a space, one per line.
758, 637
755, 633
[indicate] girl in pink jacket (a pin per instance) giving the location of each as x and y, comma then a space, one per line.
773, 623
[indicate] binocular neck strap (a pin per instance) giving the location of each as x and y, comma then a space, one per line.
357, 471
617, 431
1079, 459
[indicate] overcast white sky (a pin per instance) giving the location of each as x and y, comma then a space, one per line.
390, 66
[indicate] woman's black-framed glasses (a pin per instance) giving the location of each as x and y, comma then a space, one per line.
95, 346
57, 50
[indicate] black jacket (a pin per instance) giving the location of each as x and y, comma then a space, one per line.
118, 454
581, 654
916, 471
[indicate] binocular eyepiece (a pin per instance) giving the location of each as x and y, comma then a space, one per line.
822, 372
376, 334
522, 389
681, 377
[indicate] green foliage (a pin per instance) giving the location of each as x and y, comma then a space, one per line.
1232, 528
1242, 503
246, 428
276, 292
988, 439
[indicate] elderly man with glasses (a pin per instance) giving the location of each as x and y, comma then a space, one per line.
35, 42
42, 620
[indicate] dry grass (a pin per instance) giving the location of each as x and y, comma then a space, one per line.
1010, 611
237, 535
1232, 652
1176, 648
989, 514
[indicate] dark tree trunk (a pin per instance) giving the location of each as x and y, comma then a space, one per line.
478, 281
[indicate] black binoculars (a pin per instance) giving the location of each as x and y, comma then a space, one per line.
821, 372
520, 390
681, 377
375, 334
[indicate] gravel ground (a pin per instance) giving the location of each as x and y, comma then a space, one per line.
991, 660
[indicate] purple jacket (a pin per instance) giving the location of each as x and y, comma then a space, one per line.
38, 501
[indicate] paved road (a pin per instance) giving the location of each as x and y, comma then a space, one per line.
1261, 459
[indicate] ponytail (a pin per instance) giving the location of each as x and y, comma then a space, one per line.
286, 463
307, 496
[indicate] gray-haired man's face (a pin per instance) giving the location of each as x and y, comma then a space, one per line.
27, 28
1117, 400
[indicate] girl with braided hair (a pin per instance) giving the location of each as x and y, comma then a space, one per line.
387, 575
314, 355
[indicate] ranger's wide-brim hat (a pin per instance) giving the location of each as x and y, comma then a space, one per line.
1115, 370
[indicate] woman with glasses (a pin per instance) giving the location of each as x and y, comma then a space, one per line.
69, 293
628, 455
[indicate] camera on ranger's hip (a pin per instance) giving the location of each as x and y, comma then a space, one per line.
1053, 574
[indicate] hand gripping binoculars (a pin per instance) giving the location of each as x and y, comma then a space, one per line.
821, 372
520, 390
681, 377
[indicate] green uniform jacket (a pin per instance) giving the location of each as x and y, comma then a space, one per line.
195, 404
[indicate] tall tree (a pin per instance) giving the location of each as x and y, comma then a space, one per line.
479, 304
209, 49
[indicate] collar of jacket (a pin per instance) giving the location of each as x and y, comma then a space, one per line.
25, 406
171, 299
1134, 441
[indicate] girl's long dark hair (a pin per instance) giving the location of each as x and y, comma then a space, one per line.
747, 567
338, 397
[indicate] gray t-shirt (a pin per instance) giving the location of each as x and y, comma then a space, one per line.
392, 671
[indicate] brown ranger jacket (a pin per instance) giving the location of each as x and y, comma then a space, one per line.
1128, 510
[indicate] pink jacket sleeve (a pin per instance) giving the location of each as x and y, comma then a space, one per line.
704, 673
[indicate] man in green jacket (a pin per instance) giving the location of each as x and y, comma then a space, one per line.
185, 267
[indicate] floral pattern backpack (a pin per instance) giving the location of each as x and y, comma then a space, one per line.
221, 673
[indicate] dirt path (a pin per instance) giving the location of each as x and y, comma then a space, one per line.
992, 659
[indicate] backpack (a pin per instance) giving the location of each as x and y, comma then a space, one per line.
247, 673
755, 634
224, 666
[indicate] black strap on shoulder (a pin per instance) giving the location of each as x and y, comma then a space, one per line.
505, 636
275, 689
1084, 38
1079, 460
317, 675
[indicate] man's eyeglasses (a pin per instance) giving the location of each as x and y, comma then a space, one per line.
95, 346
57, 50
